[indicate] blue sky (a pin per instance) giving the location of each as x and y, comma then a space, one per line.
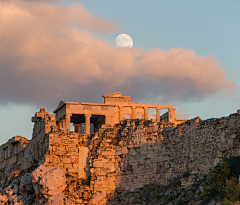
206, 27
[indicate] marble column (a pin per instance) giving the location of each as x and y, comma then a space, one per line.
171, 114
158, 115
87, 124
120, 113
58, 125
63, 123
134, 113
76, 128
146, 113
67, 121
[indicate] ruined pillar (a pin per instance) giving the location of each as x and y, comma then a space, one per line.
67, 121
134, 113
171, 114
76, 128
158, 115
146, 113
61, 123
87, 124
64, 123
120, 113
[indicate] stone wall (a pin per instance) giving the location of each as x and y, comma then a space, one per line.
135, 153
62, 151
23, 153
11, 155
129, 155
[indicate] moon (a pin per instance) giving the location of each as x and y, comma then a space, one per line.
123, 41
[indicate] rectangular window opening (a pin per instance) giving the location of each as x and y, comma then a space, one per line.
151, 117
139, 116
152, 111
72, 128
164, 114
127, 116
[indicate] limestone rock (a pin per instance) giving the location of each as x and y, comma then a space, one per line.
58, 199
49, 181
97, 198
3, 198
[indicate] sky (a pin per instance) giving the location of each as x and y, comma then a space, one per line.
185, 53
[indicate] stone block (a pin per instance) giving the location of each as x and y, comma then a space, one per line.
66, 160
105, 153
132, 152
67, 166
71, 170
60, 165
97, 164
55, 160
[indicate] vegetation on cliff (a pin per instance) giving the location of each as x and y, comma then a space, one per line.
223, 184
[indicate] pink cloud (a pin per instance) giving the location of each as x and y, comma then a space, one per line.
182, 114
46, 56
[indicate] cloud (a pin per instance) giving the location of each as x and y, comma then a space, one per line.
46, 14
182, 114
47, 55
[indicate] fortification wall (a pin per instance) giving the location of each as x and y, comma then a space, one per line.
11, 155
20, 153
135, 153
129, 155
62, 151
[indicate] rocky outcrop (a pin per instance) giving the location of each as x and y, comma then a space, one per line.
98, 198
128, 156
3, 198
137, 152
186, 189
48, 181
45, 185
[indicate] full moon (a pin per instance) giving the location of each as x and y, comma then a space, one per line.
123, 40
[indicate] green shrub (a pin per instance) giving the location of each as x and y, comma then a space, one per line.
232, 190
159, 196
223, 183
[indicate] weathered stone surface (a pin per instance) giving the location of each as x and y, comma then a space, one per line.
3, 198
129, 154
59, 199
97, 198
49, 181
26, 187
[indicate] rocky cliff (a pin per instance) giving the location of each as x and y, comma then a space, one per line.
135, 153
129, 157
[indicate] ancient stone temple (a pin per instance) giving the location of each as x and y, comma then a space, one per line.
117, 145
87, 119
114, 109
64, 140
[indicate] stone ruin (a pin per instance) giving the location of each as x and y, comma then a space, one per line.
54, 144
119, 144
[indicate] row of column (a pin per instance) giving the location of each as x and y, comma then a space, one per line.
12, 149
146, 116
65, 123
